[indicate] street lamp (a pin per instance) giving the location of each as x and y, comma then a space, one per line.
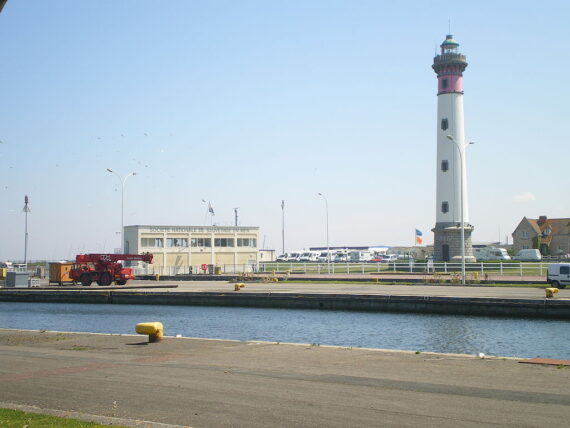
450, 138
328, 246
123, 180
212, 240
26, 211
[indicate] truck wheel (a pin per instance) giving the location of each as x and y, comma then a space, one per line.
556, 284
121, 282
85, 280
105, 279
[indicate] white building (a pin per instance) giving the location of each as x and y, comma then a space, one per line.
185, 246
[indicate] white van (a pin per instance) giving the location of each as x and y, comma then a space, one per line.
558, 275
294, 256
309, 256
490, 253
326, 256
283, 258
340, 256
360, 256
389, 258
528, 255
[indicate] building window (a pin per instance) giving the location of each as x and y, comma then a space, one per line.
444, 165
201, 242
247, 242
224, 242
152, 242
177, 242
444, 83
524, 234
444, 207
444, 124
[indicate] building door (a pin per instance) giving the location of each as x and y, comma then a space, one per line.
445, 252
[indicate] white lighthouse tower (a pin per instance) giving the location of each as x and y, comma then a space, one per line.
452, 213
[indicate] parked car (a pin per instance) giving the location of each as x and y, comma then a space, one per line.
558, 275
389, 258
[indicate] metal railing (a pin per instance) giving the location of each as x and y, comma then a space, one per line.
482, 268
225, 269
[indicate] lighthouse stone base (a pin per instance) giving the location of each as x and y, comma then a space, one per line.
447, 243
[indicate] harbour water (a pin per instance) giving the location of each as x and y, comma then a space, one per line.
415, 332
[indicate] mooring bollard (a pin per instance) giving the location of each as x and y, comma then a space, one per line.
550, 292
153, 329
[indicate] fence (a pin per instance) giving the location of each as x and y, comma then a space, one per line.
511, 269
193, 270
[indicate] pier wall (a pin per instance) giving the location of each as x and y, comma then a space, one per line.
532, 308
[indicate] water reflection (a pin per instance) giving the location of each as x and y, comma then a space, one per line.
436, 333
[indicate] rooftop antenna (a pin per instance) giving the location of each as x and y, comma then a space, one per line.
236, 215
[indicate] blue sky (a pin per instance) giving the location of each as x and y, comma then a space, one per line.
246, 103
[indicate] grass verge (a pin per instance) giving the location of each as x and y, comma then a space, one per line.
19, 419
526, 285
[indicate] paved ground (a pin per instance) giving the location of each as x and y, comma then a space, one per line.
371, 288
211, 383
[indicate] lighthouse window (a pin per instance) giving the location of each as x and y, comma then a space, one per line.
444, 124
444, 165
444, 84
444, 207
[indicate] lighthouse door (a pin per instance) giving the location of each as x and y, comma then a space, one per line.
445, 252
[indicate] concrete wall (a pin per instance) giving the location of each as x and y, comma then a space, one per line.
537, 308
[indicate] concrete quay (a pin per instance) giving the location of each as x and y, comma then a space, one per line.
217, 383
448, 299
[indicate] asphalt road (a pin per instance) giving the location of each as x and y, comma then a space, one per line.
212, 383
359, 288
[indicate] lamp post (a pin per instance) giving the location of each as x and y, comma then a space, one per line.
211, 212
450, 138
123, 180
26, 211
328, 246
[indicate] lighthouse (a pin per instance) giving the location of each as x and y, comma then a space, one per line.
452, 226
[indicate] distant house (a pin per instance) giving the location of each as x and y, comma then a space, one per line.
550, 236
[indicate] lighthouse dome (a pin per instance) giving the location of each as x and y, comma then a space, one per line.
449, 42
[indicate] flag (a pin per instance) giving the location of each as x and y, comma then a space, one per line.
419, 235
210, 209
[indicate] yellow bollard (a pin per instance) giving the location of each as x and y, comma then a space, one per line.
550, 292
157, 277
238, 285
153, 329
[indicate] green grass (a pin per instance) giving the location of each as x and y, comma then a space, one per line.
19, 419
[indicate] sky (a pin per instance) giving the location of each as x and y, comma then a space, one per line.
248, 103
